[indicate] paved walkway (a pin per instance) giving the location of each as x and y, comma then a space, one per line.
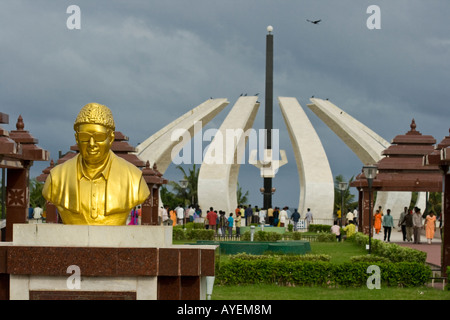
433, 250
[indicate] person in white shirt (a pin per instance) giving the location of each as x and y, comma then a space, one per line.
349, 216
191, 212
180, 214
336, 230
355, 216
417, 221
165, 216
37, 213
262, 216
283, 217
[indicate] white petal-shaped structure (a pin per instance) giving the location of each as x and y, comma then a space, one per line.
316, 179
161, 146
218, 176
365, 143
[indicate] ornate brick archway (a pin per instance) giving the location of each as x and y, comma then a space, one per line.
18, 151
412, 163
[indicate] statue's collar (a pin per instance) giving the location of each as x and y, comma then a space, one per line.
83, 171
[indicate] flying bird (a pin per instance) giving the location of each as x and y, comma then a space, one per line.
315, 21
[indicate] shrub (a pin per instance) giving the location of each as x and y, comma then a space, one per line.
391, 251
262, 236
296, 236
326, 237
200, 234
369, 258
448, 278
178, 234
192, 234
281, 257
319, 228
267, 236
245, 270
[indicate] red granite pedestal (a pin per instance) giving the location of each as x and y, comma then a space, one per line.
139, 263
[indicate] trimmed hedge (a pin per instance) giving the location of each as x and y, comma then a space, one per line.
275, 236
391, 251
262, 236
318, 273
283, 257
192, 234
369, 258
319, 228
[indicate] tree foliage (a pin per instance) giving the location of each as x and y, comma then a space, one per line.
242, 198
175, 194
349, 198
179, 195
36, 198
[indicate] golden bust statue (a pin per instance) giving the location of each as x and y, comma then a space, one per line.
96, 187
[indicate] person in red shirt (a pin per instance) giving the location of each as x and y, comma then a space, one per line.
212, 219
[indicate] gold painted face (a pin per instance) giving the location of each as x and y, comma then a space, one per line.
94, 142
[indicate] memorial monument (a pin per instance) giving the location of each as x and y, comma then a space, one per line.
96, 186
93, 255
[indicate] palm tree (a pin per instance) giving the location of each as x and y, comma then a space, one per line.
36, 198
241, 197
168, 198
190, 192
435, 202
349, 199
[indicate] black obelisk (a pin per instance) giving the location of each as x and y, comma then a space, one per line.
268, 112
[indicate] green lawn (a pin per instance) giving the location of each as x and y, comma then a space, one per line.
274, 292
339, 252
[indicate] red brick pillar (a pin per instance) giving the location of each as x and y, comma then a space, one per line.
155, 205
445, 258
367, 213
146, 210
16, 199
51, 213
360, 205
150, 208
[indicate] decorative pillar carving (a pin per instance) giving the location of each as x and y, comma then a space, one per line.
367, 211
17, 191
150, 208
16, 199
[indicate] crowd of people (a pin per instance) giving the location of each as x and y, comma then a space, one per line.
411, 222
224, 223
347, 224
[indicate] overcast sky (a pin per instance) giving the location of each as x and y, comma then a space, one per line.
152, 61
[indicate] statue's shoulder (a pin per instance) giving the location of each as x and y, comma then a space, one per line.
66, 165
122, 164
